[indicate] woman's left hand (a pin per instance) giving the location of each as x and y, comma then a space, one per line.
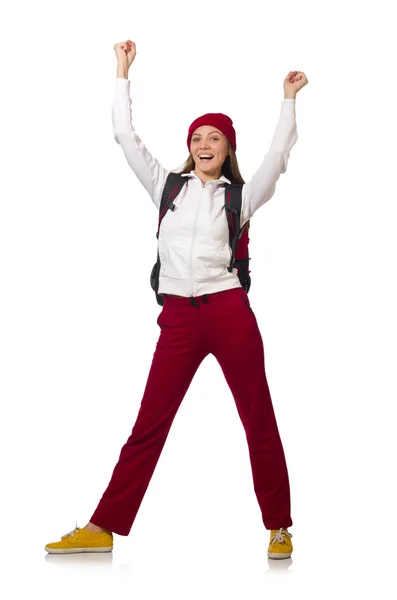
294, 81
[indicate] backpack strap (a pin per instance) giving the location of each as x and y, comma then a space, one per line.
233, 210
240, 255
173, 185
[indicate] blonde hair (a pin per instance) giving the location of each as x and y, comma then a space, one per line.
230, 169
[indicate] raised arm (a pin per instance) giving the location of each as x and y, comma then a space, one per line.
148, 169
261, 187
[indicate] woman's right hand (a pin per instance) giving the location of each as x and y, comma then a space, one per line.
125, 52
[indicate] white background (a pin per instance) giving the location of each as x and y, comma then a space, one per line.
78, 315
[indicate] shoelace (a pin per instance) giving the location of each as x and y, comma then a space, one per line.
278, 537
71, 532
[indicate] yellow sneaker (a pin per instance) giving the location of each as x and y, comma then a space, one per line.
280, 545
82, 540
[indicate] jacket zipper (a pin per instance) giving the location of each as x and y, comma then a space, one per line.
191, 247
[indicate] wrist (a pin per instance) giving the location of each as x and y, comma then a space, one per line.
289, 95
122, 69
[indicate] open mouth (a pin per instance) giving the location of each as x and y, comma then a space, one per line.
205, 158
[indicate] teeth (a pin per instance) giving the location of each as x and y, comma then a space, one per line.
205, 156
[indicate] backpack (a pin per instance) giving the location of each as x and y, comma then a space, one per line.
238, 238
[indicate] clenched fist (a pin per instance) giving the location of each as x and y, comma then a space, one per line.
294, 81
125, 52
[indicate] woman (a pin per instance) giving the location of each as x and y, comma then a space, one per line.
194, 252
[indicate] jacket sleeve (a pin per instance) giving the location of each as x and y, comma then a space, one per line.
261, 187
148, 169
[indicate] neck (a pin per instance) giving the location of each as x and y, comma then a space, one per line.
204, 177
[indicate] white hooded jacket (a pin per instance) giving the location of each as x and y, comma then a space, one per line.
193, 241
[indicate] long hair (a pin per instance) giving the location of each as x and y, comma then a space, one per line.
230, 169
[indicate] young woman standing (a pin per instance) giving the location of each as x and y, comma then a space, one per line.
195, 252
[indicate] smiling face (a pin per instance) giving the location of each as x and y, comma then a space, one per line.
209, 141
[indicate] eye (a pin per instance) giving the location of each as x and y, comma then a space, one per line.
214, 138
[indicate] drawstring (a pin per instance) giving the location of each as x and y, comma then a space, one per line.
193, 301
278, 536
71, 533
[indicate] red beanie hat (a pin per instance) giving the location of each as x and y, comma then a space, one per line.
218, 120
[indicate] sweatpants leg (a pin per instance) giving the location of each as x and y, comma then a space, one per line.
238, 347
178, 354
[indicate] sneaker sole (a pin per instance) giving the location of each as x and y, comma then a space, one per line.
279, 555
77, 550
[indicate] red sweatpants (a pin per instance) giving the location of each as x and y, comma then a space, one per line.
223, 324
